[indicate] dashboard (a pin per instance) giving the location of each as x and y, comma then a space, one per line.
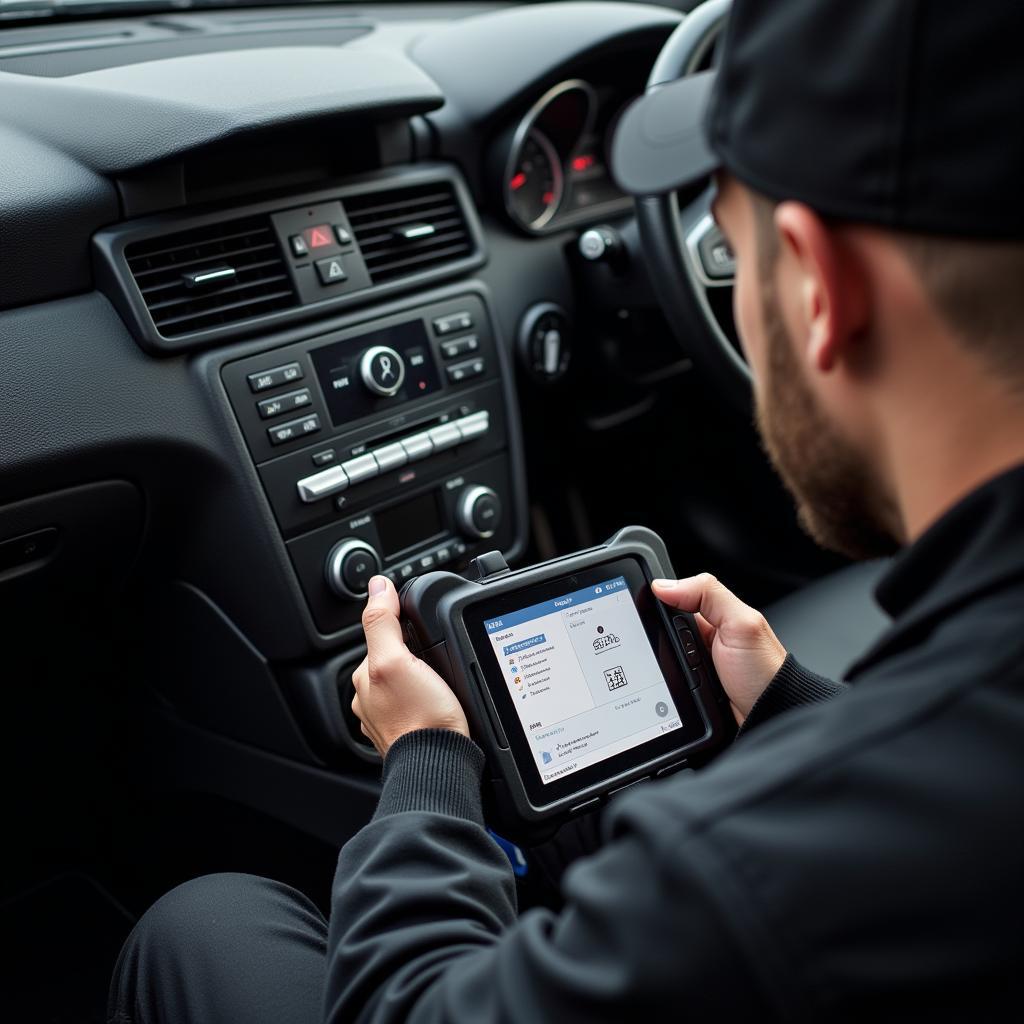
270, 276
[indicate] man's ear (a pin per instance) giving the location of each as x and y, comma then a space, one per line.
831, 287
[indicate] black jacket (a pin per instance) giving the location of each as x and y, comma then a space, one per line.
860, 858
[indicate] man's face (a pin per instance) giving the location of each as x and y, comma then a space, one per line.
839, 501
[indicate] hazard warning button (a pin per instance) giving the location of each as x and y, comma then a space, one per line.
319, 236
331, 270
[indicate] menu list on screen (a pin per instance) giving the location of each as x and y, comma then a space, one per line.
583, 677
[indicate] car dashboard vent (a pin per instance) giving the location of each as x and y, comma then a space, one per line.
211, 276
406, 231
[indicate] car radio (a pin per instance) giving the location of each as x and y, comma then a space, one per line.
382, 447
575, 679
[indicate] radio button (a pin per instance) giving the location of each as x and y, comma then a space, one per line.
417, 446
382, 370
474, 425
427, 562
447, 435
321, 485
478, 511
289, 402
461, 321
350, 565
459, 347
465, 371
331, 270
403, 572
443, 555
274, 378
294, 430
391, 456
361, 468
324, 458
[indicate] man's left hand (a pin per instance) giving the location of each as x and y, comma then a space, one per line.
397, 693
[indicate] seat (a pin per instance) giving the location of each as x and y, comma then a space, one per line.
828, 624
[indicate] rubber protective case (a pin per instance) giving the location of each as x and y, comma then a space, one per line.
435, 630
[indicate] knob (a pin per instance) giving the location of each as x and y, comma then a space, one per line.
350, 565
478, 511
602, 243
545, 342
382, 370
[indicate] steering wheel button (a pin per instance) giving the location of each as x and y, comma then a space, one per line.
361, 468
715, 255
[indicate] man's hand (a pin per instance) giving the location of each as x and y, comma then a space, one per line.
746, 652
397, 693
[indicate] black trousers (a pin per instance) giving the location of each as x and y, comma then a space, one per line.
223, 948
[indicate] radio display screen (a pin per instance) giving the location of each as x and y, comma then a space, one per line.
411, 522
338, 370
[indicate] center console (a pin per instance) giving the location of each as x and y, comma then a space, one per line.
383, 447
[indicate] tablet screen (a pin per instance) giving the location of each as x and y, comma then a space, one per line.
583, 677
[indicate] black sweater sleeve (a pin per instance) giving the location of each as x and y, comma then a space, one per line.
792, 687
424, 925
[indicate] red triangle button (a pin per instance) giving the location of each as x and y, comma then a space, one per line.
318, 237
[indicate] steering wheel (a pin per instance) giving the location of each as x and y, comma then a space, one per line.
686, 254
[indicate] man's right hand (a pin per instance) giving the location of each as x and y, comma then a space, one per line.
746, 652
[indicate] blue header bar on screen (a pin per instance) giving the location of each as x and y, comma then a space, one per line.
557, 604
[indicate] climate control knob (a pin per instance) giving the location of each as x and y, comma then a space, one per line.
382, 370
478, 512
350, 565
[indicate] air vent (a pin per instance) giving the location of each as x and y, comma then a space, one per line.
210, 276
405, 231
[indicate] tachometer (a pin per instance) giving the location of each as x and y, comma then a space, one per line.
535, 183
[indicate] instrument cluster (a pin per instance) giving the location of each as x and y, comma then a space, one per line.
555, 168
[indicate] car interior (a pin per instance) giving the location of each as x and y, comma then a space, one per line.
293, 294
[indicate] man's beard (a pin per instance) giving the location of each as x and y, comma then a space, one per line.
839, 500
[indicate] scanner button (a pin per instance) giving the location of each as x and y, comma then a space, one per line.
689, 648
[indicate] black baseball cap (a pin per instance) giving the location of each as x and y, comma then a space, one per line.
904, 113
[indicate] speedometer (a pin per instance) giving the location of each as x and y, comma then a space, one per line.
534, 162
535, 183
